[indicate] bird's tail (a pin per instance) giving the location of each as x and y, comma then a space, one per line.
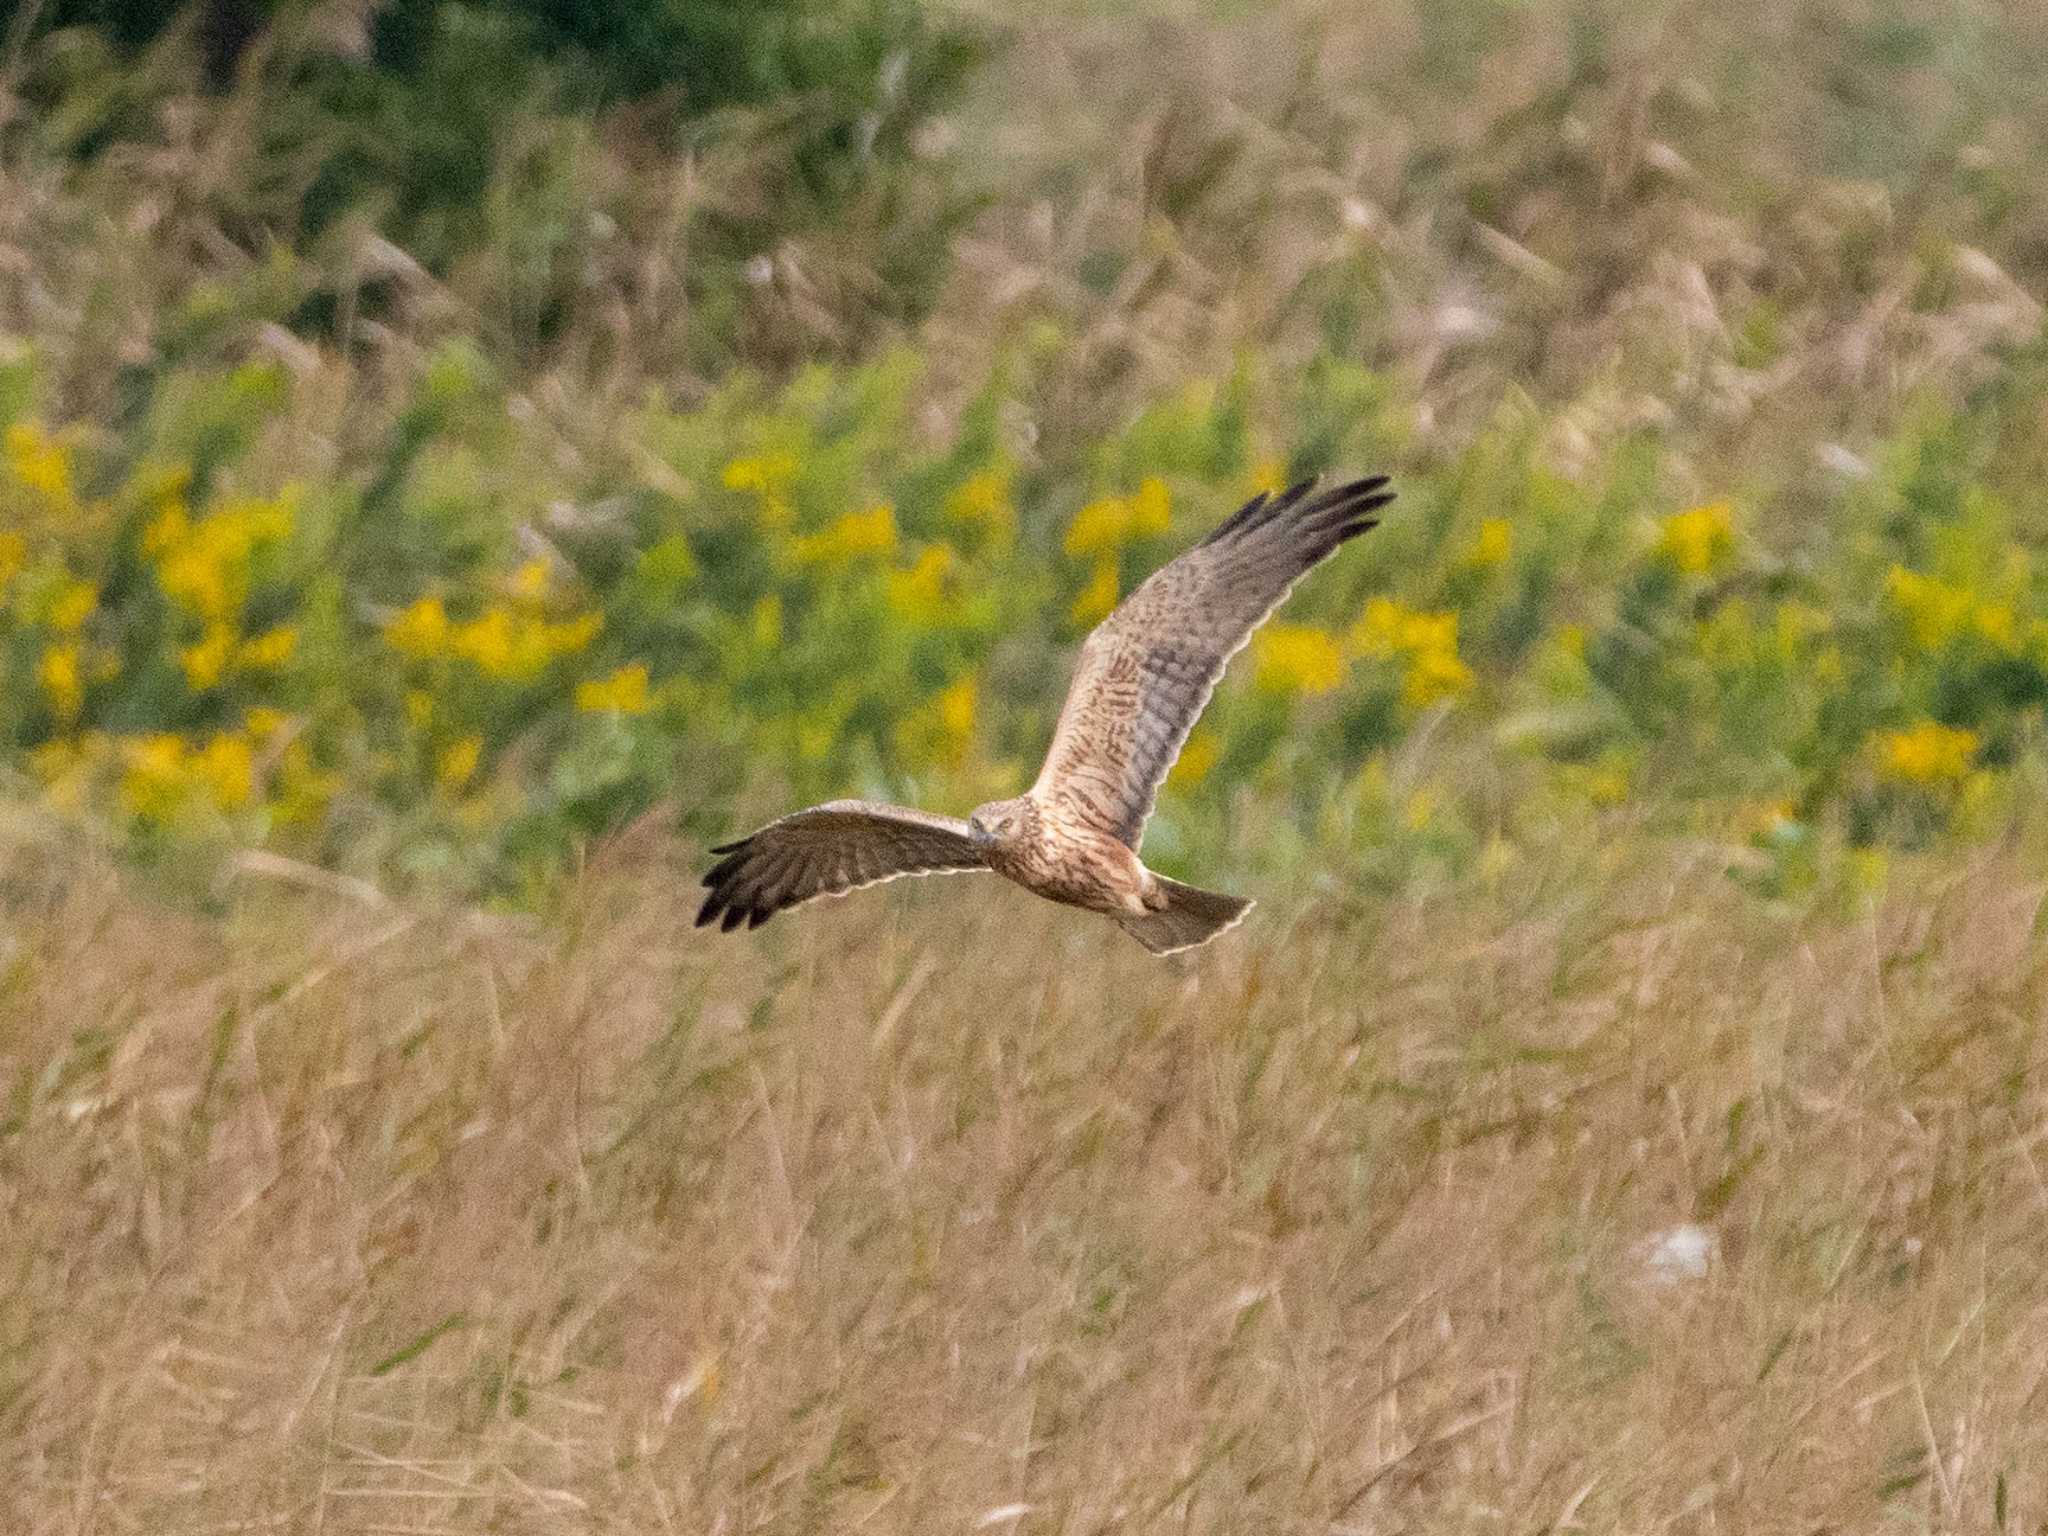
1190, 917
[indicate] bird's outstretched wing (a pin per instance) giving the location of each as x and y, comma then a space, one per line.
829, 850
1149, 668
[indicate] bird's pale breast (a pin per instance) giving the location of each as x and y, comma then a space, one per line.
1074, 864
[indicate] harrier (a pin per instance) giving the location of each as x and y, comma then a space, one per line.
1142, 680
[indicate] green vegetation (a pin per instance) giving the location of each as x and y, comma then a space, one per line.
437, 527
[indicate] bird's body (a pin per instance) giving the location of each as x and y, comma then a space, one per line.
1143, 678
1063, 859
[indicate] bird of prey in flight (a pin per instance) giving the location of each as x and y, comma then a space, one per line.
1144, 675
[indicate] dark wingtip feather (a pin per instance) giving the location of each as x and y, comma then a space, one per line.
733, 847
710, 909
734, 916
1339, 507
759, 916
1237, 519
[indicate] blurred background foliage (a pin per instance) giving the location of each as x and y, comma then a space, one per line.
437, 434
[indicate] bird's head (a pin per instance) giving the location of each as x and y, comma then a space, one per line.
999, 821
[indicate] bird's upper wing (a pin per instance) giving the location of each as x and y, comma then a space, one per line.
1149, 668
829, 850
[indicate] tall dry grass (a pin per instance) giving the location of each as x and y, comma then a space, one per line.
945, 1210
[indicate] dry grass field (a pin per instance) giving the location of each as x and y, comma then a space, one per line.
942, 1210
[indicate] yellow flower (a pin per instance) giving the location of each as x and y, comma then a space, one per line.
488, 641
1152, 507
207, 659
72, 606
226, 769
1099, 527
1269, 476
1937, 612
1426, 642
1296, 658
167, 530
768, 477
269, 650
1198, 756
1995, 622
153, 787
13, 556
1700, 539
922, 593
983, 500
571, 635
39, 462
1381, 629
457, 763
623, 693
1432, 675
1493, 545
766, 472
262, 722
1927, 753
1425, 632
767, 621
1098, 598
205, 565
941, 729
420, 631
872, 532
956, 709
517, 647
1105, 526
529, 582
58, 673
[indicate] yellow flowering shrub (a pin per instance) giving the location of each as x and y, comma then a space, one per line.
1938, 613
1424, 643
58, 673
1104, 526
982, 501
623, 693
1296, 659
205, 565
495, 649
920, 595
1927, 753
1098, 599
1699, 540
768, 479
1493, 545
420, 631
856, 535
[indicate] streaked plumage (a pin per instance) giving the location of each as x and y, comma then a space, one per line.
1142, 680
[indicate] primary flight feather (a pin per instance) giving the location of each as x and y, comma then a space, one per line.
1143, 678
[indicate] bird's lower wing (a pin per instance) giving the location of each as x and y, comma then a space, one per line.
829, 850
1147, 671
